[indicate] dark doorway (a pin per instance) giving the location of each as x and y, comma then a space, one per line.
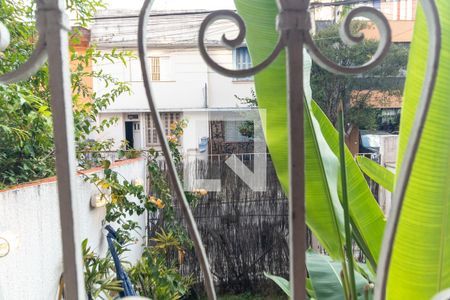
129, 134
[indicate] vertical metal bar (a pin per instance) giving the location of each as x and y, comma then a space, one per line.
294, 24
297, 226
61, 104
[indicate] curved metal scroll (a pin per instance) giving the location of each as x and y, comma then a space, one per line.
192, 226
348, 38
31, 66
237, 20
36, 60
434, 50
345, 33
294, 28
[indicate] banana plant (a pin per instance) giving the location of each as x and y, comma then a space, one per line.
422, 243
324, 280
324, 215
377, 173
421, 253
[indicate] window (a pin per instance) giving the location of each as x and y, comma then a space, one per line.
156, 68
233, 132
167, 119
242, 60
161, 68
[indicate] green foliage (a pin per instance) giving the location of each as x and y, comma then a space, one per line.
26, 147
156, 274
324, 213
325, 279
421, 249
421, 253
323, 208
247, 129
99, 277
377, 173
26, 138
157, 277
281, 282
330, 89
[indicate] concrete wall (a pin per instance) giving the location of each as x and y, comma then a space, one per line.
29, 220
388, 151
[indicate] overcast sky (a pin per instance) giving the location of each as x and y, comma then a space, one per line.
174, 4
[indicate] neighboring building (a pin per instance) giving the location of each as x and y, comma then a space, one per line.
80, 42
183, 86
400, 13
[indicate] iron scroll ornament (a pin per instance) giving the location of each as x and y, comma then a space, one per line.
283, 24
39, 55
294, 20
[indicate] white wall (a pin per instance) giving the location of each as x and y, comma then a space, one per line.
388, 152
185, 88
29, 219
197, 128
116, 132
191, 87
222, 90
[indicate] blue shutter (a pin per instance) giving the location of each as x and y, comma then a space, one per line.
242, 60
377, 4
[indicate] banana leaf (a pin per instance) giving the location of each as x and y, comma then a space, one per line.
377, 173
324, 214
421, 256
323, 210
282, 283
325, 275
324, 279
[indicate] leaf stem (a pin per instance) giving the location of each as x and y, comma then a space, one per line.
348, 235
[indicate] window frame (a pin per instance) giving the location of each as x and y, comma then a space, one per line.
242, 61
167, 118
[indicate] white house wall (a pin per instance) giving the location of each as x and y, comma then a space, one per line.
185, 89
222, 90
116, 132
192, 88
197, 128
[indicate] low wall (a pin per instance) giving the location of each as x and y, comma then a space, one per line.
29, 220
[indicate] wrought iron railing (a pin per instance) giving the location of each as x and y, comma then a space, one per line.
294, 27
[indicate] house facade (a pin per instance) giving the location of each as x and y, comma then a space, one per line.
183, 86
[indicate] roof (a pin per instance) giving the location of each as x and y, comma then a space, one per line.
166, 29
402, 31
378, 99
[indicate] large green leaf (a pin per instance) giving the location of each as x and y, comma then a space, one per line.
325, 275
367, 218
323, 210
377, 173
281, 282
324, 281
421, 256
324, 215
